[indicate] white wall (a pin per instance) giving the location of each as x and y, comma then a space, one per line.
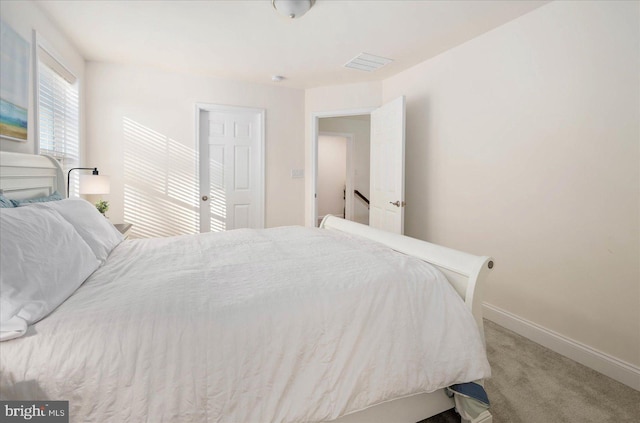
125, 100
360, 129
24, 17
523, 143
332, 173
348, 97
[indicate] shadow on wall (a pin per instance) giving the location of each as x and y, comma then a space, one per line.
160, 184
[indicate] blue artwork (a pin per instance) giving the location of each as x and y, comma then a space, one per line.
14, 84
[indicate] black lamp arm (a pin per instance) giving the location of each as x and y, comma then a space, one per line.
95, 172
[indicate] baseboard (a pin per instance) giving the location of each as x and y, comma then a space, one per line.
601, 362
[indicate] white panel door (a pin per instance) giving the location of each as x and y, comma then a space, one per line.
231, 180
387, 167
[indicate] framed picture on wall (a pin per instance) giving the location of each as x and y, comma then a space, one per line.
14, 84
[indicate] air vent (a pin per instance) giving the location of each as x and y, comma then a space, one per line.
367, 62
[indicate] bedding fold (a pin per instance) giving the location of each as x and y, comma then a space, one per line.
15, 327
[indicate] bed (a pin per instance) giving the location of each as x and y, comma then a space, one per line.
287, 324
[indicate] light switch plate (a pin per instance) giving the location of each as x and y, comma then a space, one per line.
297, 173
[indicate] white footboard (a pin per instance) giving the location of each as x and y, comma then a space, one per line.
464, 271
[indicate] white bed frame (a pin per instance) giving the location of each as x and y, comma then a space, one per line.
24, 176
465, 272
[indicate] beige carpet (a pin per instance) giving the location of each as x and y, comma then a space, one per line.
532, 384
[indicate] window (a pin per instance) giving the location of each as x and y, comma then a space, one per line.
58, 114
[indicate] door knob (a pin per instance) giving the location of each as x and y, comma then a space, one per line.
205, 198
398, 203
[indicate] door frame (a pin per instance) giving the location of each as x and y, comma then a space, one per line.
260, 172
349, 177
315, 118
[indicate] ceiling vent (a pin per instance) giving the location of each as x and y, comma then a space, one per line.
367, 62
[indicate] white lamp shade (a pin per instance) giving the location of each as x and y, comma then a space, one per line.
94, 184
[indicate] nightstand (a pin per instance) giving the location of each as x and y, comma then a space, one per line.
124, 228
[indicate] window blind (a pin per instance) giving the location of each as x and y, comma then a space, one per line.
58, 113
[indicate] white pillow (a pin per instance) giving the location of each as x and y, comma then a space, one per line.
93, 227
44, 260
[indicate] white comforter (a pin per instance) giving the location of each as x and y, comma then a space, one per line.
281, 325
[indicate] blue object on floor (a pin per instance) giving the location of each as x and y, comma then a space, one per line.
471, 390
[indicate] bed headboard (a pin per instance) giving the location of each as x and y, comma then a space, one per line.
24, 176
465, 272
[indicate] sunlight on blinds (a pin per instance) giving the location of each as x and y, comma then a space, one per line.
58, 119
160, 185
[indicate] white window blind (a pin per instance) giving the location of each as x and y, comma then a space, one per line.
58, 114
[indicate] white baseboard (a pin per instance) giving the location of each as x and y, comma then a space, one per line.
601, 362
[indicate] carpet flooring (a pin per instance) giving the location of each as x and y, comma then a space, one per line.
532, 384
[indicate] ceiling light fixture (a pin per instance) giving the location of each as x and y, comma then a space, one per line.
292, 8
277, 78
